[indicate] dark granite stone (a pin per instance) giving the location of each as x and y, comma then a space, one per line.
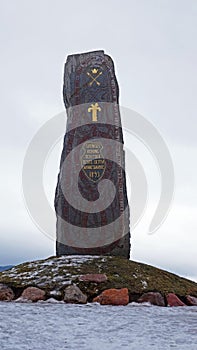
91, 198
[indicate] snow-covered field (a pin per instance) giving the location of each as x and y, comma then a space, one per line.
90, 327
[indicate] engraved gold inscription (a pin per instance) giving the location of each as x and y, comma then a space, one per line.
92, 161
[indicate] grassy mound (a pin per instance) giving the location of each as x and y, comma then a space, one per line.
55, 273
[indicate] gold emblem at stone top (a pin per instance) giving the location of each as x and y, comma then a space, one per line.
94, 109
94, 76
94, 70
92, 161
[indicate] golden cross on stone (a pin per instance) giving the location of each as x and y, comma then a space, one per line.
94, 109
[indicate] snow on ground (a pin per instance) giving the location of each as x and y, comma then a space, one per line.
52, 270
51, 325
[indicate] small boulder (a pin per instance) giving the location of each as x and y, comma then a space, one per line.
33, 294
153, 298
113, 297
6, 293
173, 300
190, 300
93, 277
72, 294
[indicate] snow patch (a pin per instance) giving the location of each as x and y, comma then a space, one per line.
144, 284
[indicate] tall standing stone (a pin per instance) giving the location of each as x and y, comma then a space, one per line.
91, 198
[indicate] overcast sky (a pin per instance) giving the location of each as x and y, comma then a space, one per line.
154, 47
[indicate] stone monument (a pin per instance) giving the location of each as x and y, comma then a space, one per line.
91, 198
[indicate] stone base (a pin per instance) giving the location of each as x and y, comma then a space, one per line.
118, 248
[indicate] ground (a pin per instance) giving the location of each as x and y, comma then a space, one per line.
55, 273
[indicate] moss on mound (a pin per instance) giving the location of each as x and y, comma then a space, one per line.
55, 273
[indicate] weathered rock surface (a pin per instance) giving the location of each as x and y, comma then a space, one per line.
173, 300
91, 97
113, 297
153, 298
190, 300
33, 294
6, 293
93, 277
74, 295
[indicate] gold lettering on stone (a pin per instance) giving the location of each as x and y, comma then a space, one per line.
92, 161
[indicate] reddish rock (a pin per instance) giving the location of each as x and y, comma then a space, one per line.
91, 277
113, 297
173, 300
33, 294
153, 298
74, 295
6, 293
192, 301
